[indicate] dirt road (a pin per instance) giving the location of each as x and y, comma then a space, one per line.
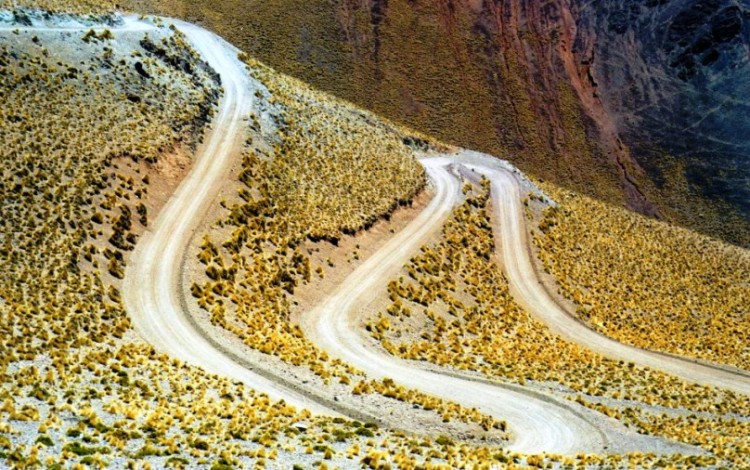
528, 291
150, 289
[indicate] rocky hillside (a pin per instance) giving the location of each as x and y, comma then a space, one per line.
674, 75
538, 82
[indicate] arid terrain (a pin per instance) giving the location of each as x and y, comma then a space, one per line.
207, 263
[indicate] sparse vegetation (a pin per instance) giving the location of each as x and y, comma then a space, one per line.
84, 133
76, 158
452, 307
446, 409
334, 172
73, 144
647, 283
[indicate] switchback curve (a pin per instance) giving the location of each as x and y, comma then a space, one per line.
538, 424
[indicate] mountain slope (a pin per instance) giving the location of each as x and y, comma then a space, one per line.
530, 81
98, 127
674, 76
493, 77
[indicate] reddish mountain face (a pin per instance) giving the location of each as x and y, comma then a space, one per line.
585, 94
502, 76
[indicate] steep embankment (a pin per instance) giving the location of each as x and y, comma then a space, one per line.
673, 75
551, 85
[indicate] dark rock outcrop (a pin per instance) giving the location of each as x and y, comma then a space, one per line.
675, 76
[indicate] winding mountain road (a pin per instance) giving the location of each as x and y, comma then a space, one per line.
153, 300
539, 423
527, 289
